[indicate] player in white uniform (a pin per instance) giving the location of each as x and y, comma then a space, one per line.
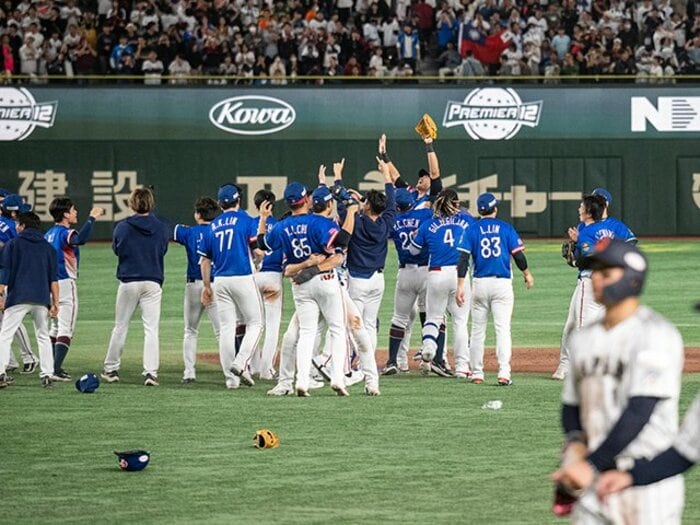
270, 285
491, 243
205, 211
225, 252
316, 289
594, 226
440, 236
620, 401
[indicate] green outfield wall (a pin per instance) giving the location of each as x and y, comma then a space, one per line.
537, 148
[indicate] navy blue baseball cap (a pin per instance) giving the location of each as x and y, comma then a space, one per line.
133, 460
321, 195
295, 192
4, 193
603, 193
87, 383
229, 193
486, 202
405, 199
14, 202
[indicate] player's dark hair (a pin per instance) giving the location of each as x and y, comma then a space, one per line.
377, 201
594, 206
142, 200
446, 203
59, 207
262, 196
320, 207
29, 219
207, 208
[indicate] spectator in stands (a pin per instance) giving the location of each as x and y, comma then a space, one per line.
180, 69
449, 60
408, 46
152, 69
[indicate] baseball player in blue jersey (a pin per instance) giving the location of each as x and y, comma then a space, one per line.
491, 243
11, 206
583, 309
270, 284
412, 278
316, 289
440, 236
65, 242
29, 276
226, 256
205, 210
619, 228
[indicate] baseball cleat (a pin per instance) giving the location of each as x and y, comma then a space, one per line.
5, 380
462, 375
424, 368
560, 373
233, 384
340, 391
151, 380
372, 391
390, 370
61, 375
477, 380
315, 385
504, 381
440, 369
110, 377
355, 377
303, 393
280, 390
29, 367
321, 370
187, 380
244, 376
46, 382
417, 356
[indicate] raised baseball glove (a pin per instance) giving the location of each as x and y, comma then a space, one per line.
427, 128
265, 438
567, 252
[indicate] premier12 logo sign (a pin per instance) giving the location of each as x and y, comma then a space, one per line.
20, 114
492, 114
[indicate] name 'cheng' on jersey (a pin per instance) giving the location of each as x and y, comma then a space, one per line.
491, 242
298, 236
440, 236
227, 244
406, 223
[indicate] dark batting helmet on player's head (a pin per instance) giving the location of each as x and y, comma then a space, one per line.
405, 200
616, 253
603, 193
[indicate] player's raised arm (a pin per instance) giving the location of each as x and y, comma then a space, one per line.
394, 172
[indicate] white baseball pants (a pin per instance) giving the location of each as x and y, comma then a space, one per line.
270, 285
193, 310
64, 324
367, 295
320, 296
290, 339
238, 302
147, 296
25, 347
494, 295
440, 297
12, 320
583, 310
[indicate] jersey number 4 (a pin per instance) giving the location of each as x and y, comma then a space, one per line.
449, 238
490, 247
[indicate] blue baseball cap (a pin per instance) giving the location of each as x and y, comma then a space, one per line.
228, 193
405, 199
4, 193
14, 202
295, 192
133, 460
603, 193
486, 202
321, 195
87, 383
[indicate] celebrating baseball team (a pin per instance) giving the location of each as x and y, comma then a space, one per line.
621, 362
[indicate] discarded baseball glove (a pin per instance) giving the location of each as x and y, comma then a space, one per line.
427, 128
567, 252
265, 438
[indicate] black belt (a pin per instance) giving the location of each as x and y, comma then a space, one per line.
402, 265
191, 280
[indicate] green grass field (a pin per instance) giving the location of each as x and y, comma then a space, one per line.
423, 452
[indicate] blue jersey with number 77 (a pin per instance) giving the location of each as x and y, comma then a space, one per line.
298, 236
491, 242
227, 244
441, 235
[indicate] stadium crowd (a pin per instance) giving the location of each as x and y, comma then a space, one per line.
281, 41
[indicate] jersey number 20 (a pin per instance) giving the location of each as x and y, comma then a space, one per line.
490, 247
